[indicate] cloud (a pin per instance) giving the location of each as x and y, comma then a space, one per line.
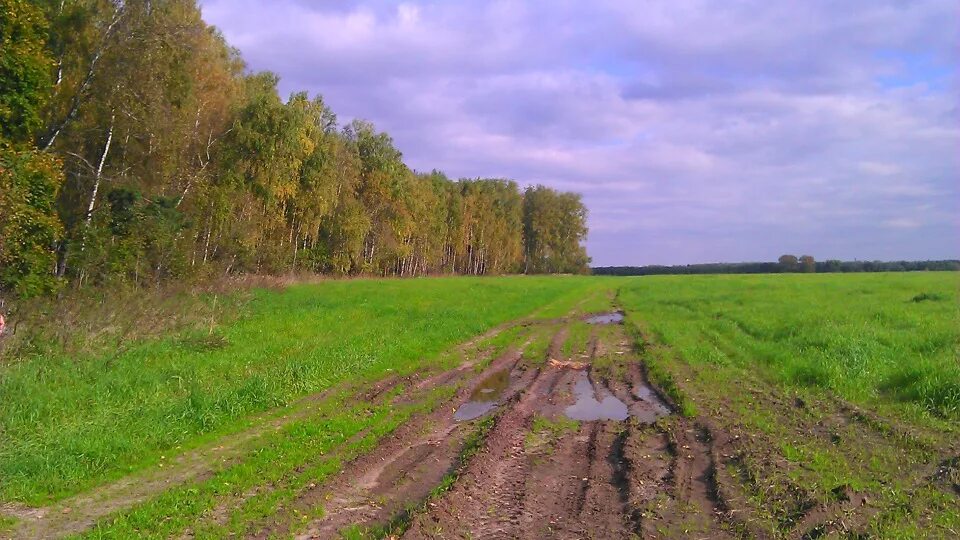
902, 223
696, 131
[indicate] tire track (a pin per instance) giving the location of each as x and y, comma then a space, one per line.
488, 499
400, 472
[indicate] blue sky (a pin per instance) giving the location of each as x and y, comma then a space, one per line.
697, 131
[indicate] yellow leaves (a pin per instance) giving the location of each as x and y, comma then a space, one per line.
28, 224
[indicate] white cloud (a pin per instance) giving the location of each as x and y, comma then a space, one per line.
902, 223
695, 130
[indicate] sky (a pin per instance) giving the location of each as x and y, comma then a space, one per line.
696, 131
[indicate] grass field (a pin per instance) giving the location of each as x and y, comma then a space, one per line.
871, 338
841, 381
809, 405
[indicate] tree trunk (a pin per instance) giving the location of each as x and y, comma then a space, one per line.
80, 95
206, 244
98, 176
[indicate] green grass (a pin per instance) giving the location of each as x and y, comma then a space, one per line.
69, 422
499, 344
545, 432
274, 462
581, 296
865, 337
578, 340
280, 468
599, 301
535, 353
274, 472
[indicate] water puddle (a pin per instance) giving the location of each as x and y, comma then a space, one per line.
484, 398
654, 408
587, 408
613, 317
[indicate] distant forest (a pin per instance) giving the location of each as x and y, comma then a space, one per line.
135, 147
791, 264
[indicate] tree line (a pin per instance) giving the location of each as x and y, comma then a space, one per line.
136, 147
782, 266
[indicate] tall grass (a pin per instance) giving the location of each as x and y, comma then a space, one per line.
70, 421
891, 337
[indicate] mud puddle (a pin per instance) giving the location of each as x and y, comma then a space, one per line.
605, 477
613, 317
653, 407
588, 408
485, 397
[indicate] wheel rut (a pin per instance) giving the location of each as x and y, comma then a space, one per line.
541, 475
391, 480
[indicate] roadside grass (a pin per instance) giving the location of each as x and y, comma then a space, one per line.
583, 295
498, 345
174, 510
107, 320
545, 432
578, 339
657, 360
535, 353
267, 503
303, 453
73, 421
606, 362
600, 301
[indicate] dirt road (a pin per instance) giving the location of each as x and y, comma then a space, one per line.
572, 442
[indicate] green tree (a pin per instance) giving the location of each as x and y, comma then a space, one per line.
554, 227
382, 186
25, 66
29, 227
788, 263
29, 180
163, 158
833, 265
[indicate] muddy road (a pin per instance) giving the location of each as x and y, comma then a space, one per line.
570, 442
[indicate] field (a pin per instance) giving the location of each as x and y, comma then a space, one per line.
832, 400
792, 406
